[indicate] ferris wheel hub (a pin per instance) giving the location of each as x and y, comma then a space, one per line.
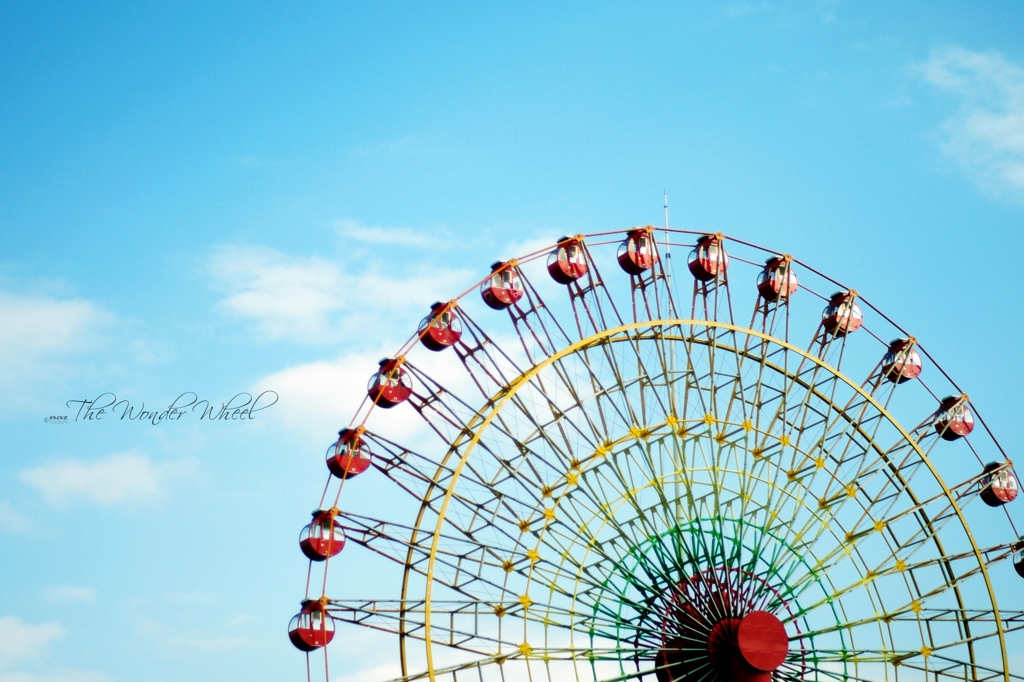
744, 649
715, 621
762, 641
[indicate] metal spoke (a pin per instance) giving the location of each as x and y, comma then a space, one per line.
609, 488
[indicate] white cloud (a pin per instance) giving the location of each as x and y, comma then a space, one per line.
317, 300
11, 520
406, 148
58, 676
986, 135
822, 10
391, 236
192, 597
123, 478
288, 296
319, 398
826, 10
209, 643
381, 672
21, 641
358, 648
249, 161
747, 9
69, 593
24, 643
34, 325
39, 333
525, 247
397, 144
242, 619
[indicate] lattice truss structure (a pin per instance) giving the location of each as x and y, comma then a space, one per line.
643, 475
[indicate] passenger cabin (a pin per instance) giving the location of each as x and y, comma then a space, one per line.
954, 419
312, 627
777, 281
842, 315
391, 384
637, 253
999, 485
323, 537
504, 287
708, 259
568, 262
901, 361
348, 456
441, 328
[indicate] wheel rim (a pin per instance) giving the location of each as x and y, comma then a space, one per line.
749, 431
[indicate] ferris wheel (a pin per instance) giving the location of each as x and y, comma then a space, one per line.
721, 474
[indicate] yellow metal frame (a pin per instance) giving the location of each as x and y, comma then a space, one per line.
482, 421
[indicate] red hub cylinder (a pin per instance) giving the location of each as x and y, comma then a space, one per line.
761, 647
739, 649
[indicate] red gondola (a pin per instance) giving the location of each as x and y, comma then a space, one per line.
954, 419
901, 362
323, 537
999, 486
441, 328
312, 627
637, 253
708, 260
567, 263
348, 456
391, 384
842, 315
777, 280
1018, 560
504, 287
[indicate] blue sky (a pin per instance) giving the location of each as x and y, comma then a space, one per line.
219, 198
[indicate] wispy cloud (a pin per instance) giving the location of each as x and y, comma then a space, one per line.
392, 236
249, 161
822, 10
39, 334
123, 478
746, 9
314, 300
28, 644
21, 641
381, 672
209, 643
69, 593
216, 639
826, 10
404, 144
286, 296
192, 597
10, 520
318, 398
57, 676
357, 649
986, 134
